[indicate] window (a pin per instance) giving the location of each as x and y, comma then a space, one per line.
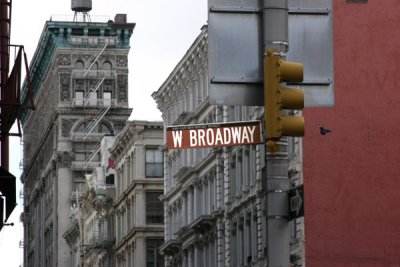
153, 257
94, 32
110, 179
95, 66
107, 65
234, 245
154, 208
99, 128
77, 31
80, 156
79, 98
232, 178
154, 163
79, 64
241, 245
92, 98
83, 156
48, 243
107, 98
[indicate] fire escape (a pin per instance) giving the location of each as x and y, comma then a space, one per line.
10, 108
89, 100
91, 96
97, 241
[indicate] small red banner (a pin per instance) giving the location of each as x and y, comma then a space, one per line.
214, 135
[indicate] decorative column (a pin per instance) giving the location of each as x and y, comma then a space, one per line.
195, 198
190, 205
64, 186
184, 208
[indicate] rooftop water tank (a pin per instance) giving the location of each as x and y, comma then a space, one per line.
81, 5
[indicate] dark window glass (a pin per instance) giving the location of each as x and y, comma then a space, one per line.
153, 256
154, 208
110, 179
154, 163
77, 31
94, 32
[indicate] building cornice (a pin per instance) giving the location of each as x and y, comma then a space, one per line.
184, 74
60, 34
133, 131
154, 230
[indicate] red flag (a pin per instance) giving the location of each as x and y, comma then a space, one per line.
111, 164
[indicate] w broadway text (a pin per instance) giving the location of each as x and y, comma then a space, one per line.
214, 135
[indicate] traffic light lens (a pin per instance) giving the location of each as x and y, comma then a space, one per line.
292, 98
292, 126
291, 71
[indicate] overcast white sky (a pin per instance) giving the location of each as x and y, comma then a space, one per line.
164, 31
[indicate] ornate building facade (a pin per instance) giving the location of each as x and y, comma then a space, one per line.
91, 233
215, 198
79, 78
139, 186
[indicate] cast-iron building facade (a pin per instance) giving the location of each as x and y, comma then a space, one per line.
214, 199
79, 75
139, 221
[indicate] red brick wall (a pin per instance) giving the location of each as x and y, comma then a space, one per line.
352, 176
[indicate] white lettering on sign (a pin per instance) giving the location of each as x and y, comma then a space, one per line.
227, 137
177, 137
193, 140
210, 135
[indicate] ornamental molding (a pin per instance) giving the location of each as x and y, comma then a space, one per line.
64, 159
189, 70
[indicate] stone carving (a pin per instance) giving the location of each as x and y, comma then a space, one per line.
64, 159
79, 84
66, 125
65, 86
105, 57
122, 81
122, 61
108, 85
92, 84
87, 57
64, 60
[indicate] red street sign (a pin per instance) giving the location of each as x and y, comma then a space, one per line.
214, 135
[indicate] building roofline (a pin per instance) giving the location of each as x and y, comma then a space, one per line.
195, 44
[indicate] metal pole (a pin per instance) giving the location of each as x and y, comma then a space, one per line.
275, 32
275, 24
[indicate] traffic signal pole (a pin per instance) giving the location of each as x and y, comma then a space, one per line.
275, 35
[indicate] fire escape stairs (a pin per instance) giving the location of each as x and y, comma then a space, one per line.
90, 98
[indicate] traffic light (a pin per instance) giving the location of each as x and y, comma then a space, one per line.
276, 97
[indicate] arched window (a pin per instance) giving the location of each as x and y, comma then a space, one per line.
79, 64
95, 66
99, 128
107, 65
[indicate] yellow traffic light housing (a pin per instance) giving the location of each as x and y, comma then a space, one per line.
276, 97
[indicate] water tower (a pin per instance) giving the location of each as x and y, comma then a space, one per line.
83, 7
